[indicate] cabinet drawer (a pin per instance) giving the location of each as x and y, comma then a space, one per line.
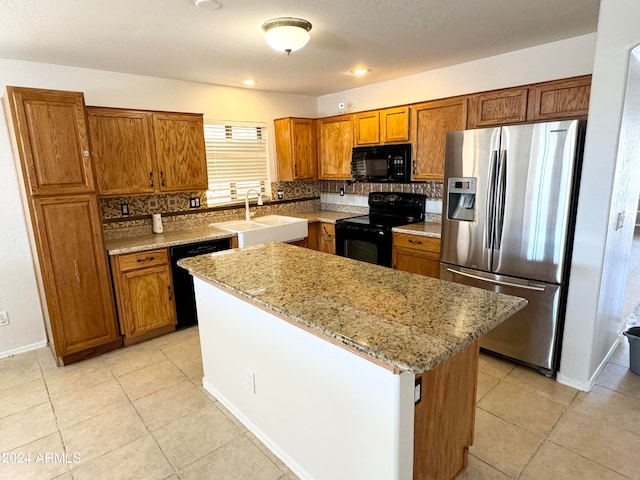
144, 259
427, 244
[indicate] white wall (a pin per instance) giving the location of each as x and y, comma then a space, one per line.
566, 58
18, 291
609, 185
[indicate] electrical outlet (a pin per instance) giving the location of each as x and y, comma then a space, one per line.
342, 191
251, 381
124, 209
152, 204
417, 391
620, 220
172, 203
194, 202
4, 318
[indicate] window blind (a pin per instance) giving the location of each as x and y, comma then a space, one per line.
236, 161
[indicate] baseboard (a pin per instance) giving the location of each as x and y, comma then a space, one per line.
23, 349
293, 466
588, 385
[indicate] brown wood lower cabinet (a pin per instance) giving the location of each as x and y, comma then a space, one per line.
322, 237
416, 254
75, 277
144, 294
327, 238
444, 418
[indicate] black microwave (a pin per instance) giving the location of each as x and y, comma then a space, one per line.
382, 163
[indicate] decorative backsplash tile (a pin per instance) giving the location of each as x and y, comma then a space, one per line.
177, 213
433, 190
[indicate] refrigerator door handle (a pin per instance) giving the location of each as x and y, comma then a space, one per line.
491, 196
501, 191
524, 284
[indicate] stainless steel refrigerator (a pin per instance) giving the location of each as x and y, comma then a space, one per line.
507, 225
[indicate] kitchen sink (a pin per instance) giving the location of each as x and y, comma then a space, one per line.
270, 228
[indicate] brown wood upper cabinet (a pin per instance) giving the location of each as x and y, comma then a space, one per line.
54, 145
555, 100
335, 138
498, 107
560, 99
137, 151
382, 126
144, 293
296, 148
430, 122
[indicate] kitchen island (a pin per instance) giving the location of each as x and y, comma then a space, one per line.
344, 369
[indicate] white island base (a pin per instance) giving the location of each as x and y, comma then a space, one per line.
325, 411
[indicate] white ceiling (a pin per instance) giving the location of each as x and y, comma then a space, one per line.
175, 39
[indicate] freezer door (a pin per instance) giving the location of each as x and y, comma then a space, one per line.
529, 336
536, 167
470, 154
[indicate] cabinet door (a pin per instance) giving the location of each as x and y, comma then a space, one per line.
74, 273
560, 99
123, 151
296, 148
430, 122
416, 261
335, 137
498, 108
305, 149
53, 143
367, 128
327, 238
180, 151
145, 300
394, 125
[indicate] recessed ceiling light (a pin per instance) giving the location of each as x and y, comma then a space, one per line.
249, 82
360, 71
208, 4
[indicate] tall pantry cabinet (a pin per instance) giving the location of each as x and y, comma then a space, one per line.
52, 146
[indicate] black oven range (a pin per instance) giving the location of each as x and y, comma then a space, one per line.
368, 237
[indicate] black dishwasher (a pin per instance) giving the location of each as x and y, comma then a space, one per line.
183, 282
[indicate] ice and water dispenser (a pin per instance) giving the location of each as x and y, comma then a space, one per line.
462, 198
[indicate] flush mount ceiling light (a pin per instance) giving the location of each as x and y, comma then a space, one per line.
286, 34
208, 4
360, 71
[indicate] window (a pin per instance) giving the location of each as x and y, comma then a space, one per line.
236, 161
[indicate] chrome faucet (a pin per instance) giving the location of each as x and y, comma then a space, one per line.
246, 202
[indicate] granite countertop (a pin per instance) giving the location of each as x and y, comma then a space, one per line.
405, 321
422, 229
150, 241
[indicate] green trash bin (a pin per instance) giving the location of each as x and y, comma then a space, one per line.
633, 334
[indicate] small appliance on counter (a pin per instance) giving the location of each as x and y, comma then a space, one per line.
507, 226
368, 237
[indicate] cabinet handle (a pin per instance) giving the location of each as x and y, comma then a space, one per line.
415, 242
170, 292
161, 178
414, 166
76, 271
151, 179
145, 259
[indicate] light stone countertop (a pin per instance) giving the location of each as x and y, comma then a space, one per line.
422, 229
405, 321
150, 241
200, 234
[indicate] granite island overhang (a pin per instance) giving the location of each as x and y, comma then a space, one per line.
370, 367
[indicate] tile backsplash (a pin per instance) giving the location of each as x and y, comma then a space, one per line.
301, 195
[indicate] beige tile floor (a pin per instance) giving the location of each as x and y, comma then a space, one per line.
140, 413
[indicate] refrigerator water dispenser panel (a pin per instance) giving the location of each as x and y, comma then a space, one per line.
462, 198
